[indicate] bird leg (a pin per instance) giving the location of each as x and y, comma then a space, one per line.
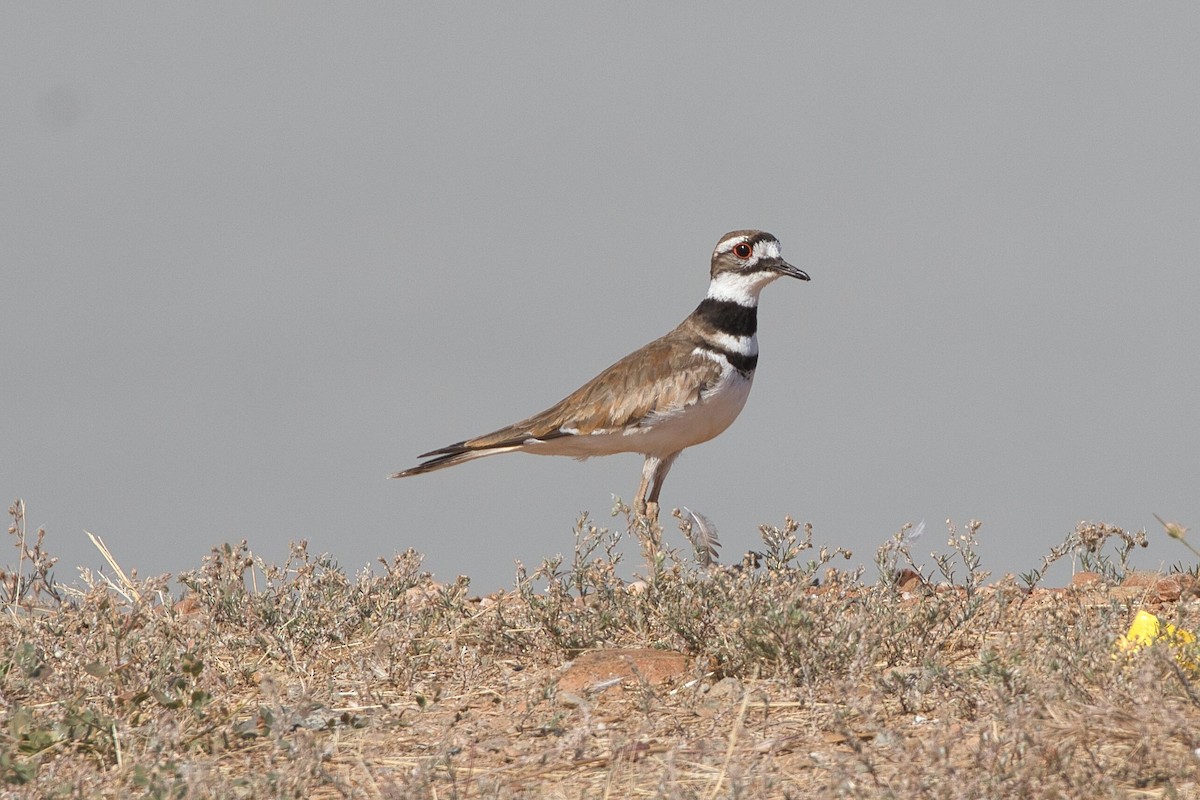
660, 475
639, 503
654, 472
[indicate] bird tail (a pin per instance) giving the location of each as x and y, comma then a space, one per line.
450, 456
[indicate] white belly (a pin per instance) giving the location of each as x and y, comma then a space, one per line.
662, 435
715, 412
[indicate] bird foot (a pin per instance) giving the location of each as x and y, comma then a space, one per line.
649, 533
646, 510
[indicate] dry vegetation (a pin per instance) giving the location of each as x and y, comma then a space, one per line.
781, 677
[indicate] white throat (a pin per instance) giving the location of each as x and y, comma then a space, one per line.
740, 287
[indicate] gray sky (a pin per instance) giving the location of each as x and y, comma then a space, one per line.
256, 257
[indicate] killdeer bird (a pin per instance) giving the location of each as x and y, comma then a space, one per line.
677, 391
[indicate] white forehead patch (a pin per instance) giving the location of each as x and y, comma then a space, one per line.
768, 248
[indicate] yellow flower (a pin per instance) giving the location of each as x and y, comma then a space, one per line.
1147, 628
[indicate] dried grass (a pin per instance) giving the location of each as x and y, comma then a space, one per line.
301, 680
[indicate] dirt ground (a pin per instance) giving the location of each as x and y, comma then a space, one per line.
781, 678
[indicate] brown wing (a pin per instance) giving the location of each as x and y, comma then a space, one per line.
662, 377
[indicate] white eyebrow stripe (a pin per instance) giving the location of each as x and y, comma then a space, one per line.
729, 244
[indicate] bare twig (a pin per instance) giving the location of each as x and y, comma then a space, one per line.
17, 511
130, 589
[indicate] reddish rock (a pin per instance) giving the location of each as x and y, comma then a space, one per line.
629, 665
907, 580
187, 606
1168, 590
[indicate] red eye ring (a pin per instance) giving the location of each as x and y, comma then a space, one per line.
742, 250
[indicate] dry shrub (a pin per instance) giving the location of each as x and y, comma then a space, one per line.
302, 680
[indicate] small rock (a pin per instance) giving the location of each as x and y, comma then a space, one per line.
907, 580
724, 695
1084, 580
725, 689
570, 700
598, 667
1168, 590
